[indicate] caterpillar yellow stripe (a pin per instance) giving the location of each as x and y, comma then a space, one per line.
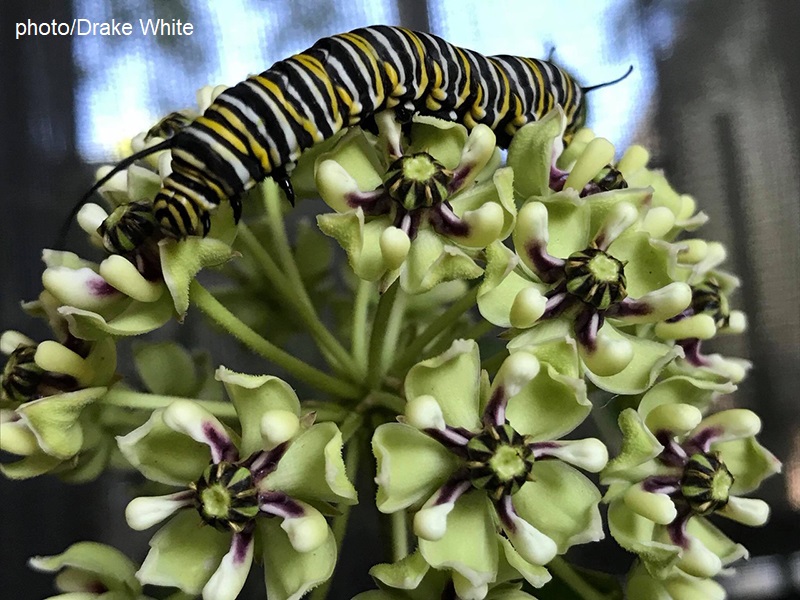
259, 127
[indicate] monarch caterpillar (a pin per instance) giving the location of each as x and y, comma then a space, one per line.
259, 127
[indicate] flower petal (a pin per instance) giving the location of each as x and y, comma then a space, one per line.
431, 261
136, 319
401, 451
405, 574
183, 554
532, 152
469, 546
161, 454
253, 396
228, 580
562, 503
312, 468
290, 574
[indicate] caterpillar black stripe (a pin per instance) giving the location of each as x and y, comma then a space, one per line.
260, 127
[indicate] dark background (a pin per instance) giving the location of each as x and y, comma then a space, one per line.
717, 87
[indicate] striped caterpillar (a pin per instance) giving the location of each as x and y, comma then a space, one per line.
259, 127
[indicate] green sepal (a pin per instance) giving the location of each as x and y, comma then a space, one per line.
405, 574
184, 554
182, 260
102, 563
312, 468
572, 516
253, 396
453, 378
431, 261
531, 154
400, 451
469, 545
639, 446
162, 454
54, 420
290, 574
136, 319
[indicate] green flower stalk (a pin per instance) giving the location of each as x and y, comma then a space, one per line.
676, 469
480, 463
246, 491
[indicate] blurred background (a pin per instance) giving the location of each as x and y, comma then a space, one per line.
713, 95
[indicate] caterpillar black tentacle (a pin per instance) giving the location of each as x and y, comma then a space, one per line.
259, 127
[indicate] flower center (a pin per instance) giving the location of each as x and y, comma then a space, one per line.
417, 181
21, 375
596, 278
499, 461
226, 496
707, 298
706, 483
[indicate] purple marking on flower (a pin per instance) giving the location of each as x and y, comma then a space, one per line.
366, 200
661, 484
95, 587
540, 449
505, 510
262, 463
459, 178
222, 447
685, 313
557, 303
587, 324
692, 352
495, 412
557, 179
677, 529
702, 440
240, 543
629, 308
280, 505
446, 222
100, 287
451, 491
408, 221
673, 454
454, 439
549, 268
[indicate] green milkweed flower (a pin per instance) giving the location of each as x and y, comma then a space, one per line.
417, 210
230, 487
675, 470
47, 417
678, 586
480, 463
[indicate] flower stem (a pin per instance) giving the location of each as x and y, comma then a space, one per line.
376, 368
566, 573
414, 350
360, 313
144, 401
399, 535
304, 309
201, 298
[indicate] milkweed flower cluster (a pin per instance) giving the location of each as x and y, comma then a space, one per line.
595, 302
